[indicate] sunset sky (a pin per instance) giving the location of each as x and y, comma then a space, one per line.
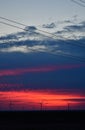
42, 61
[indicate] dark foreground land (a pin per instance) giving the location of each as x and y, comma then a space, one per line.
70, 120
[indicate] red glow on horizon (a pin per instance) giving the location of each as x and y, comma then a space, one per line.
35, 98
14, 72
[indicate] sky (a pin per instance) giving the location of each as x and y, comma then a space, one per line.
38, 12
42, 65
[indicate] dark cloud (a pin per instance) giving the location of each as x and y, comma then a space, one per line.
30, 28
82, 23
8, 37
62, 47
77, 99
34, 41
79, 28
67, 21
49, 26
61, 32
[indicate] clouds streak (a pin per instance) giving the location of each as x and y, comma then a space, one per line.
32, 99
14, 72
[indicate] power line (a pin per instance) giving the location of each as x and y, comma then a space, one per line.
25, 26
69, 41
12, 21
65, 39
69, 55
82, 1
12, 25
51, 35
78, 3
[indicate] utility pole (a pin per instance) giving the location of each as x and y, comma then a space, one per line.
68, 106
10, 105
41, 106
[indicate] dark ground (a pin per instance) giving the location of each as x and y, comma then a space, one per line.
70, 120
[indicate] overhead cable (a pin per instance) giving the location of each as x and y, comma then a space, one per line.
82, 1
78, 3
65, 39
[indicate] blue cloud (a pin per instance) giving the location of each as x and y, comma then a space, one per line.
7, 37
34, 41
80, 27
49, 26
30, 28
